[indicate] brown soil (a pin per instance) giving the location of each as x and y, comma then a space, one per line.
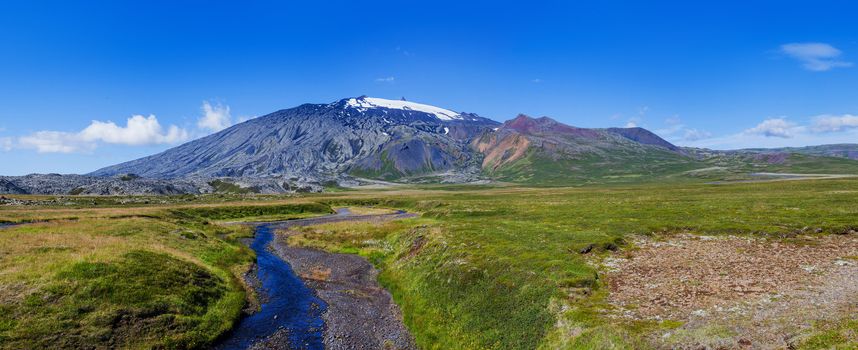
736, 292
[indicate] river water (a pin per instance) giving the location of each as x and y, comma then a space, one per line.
287, 304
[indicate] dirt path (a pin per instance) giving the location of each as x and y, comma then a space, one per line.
360, 313
736, 292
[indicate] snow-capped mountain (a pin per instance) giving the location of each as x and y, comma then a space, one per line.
372, 102
363, 136
302, 148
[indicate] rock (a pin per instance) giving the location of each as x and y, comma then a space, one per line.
587, 249
699, 313
56, 184
843, 263
10, 187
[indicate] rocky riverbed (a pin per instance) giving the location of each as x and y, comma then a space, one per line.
357, 312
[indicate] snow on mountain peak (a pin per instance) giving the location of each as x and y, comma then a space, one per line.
372, 102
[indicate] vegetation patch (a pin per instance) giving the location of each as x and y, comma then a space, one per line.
832, 335
141, 298
114, 279
252, 211
129, 177
229, 187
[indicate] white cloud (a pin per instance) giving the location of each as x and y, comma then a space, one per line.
695, 135
215, 117
745, 140
637, 120
780, 132
55, 142
679, 132
385, 80
536, 81
817, 57
834, 123
6, 143
775, 127
139, 130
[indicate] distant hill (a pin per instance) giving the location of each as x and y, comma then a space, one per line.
842, 150
544, 151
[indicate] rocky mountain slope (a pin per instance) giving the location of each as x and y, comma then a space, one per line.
369, 137
542, 150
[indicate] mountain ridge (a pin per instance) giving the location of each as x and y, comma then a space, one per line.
365, 139
317, 140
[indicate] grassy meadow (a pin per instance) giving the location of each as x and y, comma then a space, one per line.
127, 277
482, 268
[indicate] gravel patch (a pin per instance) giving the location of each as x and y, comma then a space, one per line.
736, 292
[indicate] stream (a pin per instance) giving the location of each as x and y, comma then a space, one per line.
291, 313
287, 303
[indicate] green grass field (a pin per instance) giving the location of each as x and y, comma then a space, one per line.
482, 268
136, 277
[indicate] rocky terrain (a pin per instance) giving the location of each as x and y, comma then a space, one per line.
88, 185
361, 314
130, 184
736, 292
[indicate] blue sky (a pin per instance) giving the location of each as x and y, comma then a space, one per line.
88, 85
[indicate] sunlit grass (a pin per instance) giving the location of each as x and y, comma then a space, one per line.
123, 277
484, 267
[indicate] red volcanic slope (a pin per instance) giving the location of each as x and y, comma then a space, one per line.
545, 125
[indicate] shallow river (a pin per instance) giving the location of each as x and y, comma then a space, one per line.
286, 303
